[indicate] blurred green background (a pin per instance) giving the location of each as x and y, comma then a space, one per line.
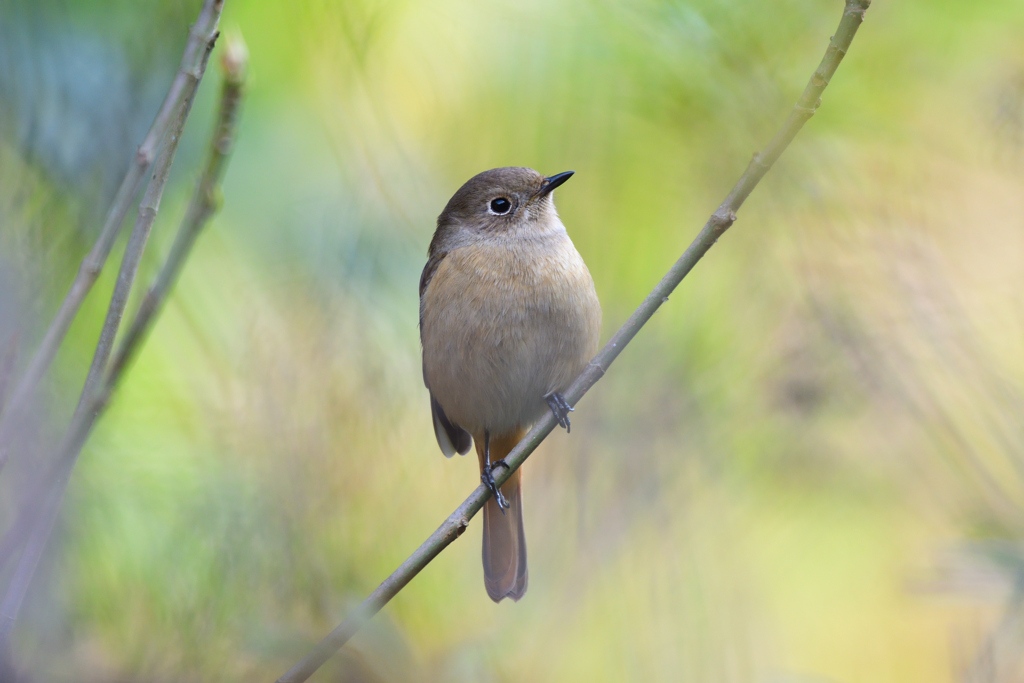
806, 468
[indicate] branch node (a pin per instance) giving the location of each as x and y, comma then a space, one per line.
235, 59
807, 111
857, 8
721, 222
91, 268
597, 366
212, 198
144, 156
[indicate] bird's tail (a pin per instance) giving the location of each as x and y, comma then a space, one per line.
504, 552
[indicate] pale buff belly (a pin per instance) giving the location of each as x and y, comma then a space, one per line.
504, 326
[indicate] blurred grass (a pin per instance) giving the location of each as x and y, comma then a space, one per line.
756, 491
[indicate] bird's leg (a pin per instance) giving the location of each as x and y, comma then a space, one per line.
561, 408
488, 474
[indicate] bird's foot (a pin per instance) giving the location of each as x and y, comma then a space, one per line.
561, 409
488, 479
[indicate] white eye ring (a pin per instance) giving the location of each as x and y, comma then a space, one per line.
497, 204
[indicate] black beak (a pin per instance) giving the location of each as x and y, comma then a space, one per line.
553, 182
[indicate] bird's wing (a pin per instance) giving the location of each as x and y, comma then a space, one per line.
450, 437
433, 261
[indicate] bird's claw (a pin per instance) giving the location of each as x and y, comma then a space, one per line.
561, 409
488, 479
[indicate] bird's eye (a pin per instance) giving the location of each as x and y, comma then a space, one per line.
500, 206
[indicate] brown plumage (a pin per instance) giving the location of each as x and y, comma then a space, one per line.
508, 318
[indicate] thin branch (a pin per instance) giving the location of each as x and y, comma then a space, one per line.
720, 221
133, 251
38, 520
205, 201
19, 583
7, 369
96, 394
202, 205
183, 87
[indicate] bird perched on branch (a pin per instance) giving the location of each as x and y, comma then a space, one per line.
508, 319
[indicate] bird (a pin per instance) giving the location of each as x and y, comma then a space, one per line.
509, 316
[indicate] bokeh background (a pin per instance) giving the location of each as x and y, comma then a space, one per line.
808, 467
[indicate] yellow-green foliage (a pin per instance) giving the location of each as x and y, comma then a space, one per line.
761, 489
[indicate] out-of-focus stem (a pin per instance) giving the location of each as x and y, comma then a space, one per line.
720, 221
183, 87
203, 204
35, 521
84, 415
148, 210
7, 369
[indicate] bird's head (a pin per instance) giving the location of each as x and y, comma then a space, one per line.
504, 201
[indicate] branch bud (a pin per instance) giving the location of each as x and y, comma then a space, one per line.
235, 59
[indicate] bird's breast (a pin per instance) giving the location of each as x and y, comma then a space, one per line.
505, 324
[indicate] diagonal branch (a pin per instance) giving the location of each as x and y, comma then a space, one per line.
7, 369
203, 204
190, 71
720, 221
136, 246
38, 510
84, 416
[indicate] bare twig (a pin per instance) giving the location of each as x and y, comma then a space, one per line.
7, 369
50, 490
84, 417
720, 221
202, 205
190, 71
133, 251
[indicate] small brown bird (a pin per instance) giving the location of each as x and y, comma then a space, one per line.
508, 318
